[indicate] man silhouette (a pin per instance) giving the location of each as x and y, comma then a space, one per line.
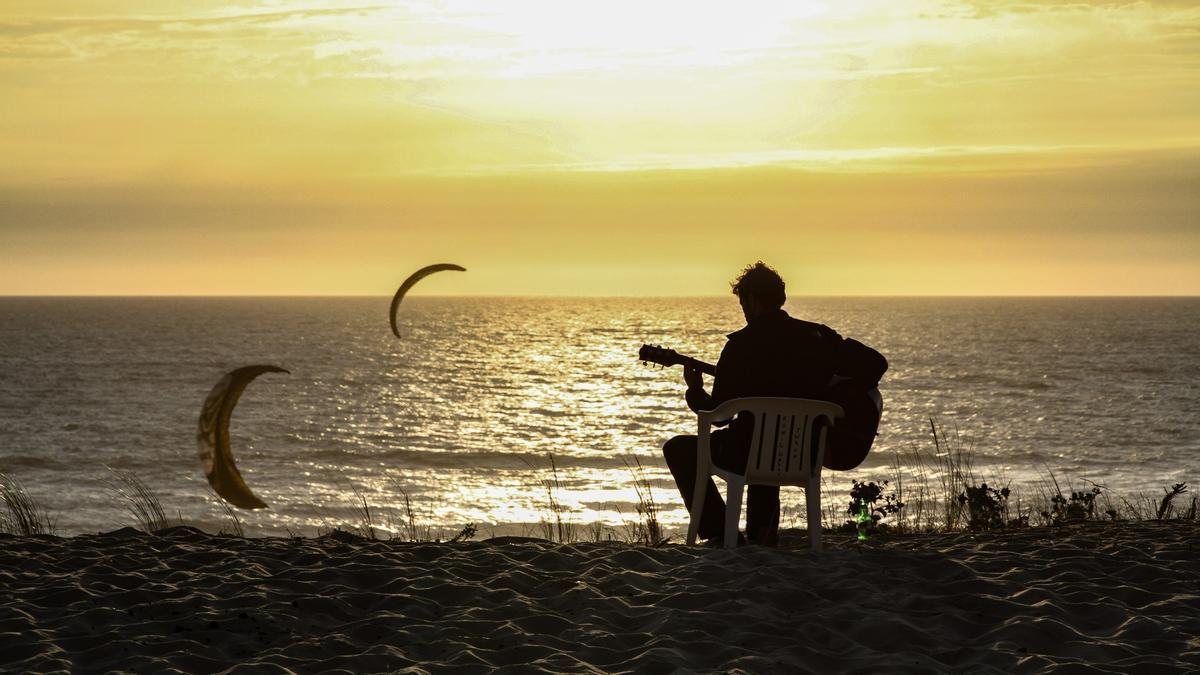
773, 355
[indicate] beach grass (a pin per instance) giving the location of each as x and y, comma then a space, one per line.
646, 530
22, 514
559, 526
364, 515
929, 489
139, 500
410, 525
370, 521
235, 527
936, 489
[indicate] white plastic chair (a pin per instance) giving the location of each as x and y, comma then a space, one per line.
782, 452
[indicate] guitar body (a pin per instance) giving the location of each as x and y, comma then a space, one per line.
852, 436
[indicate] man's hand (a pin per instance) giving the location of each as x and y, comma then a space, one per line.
693, 377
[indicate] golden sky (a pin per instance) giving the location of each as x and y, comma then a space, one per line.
599, 148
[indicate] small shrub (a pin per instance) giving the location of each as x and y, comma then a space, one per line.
869, 504
1079, 507
464, 534
987, 507
1164, 507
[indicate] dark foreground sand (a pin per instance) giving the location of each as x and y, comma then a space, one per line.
1124, 598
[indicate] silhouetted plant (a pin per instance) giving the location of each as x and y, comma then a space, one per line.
869, 504
1079, 507
465, 534
987, 507
1164, 507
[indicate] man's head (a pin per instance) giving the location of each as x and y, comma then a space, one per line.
759, 289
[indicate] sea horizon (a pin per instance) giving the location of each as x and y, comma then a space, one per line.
595, 297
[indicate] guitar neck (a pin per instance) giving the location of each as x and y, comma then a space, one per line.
670, 357
706, 368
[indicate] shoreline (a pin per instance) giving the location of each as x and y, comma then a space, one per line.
1114, 597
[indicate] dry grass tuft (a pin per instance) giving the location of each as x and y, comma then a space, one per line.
139, 500
363, 515
234, 528
558, 527
23, 514
646, 531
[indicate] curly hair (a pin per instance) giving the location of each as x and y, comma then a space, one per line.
761, 282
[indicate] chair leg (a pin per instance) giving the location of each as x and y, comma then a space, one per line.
697, 509
699, 492
812, 498
733, 511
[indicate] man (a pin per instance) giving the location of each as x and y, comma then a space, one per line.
774, 355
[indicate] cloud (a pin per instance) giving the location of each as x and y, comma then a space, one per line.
607, 84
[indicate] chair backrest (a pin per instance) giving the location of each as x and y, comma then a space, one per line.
788, 445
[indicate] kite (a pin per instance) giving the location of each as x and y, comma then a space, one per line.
212, 436
412, 279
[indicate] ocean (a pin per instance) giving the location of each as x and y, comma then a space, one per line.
463, 413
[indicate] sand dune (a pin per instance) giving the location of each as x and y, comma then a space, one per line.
1123, 598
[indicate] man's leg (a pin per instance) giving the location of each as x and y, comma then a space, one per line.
680, 453
762, 514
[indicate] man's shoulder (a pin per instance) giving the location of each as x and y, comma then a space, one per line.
786, 325
811, 326
810, 330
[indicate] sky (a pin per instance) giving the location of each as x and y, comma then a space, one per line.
861, 147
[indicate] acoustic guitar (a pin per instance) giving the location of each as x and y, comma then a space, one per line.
852, 436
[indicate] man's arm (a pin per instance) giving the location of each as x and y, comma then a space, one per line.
697, 398
730, 381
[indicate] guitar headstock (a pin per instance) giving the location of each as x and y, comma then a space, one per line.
660, 355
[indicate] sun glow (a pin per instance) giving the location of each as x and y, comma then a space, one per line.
624, 33
549, 135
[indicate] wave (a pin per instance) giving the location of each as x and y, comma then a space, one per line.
14, 463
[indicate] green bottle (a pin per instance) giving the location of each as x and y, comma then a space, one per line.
864, 517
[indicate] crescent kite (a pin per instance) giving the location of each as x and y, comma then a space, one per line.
212, 436
412, 279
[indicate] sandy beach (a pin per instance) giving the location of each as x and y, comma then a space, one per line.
1117, 598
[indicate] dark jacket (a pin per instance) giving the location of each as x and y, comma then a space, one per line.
776, 355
